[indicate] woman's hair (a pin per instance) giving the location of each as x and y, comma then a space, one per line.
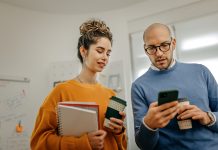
90, 32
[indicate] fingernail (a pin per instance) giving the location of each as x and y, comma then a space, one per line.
174, 108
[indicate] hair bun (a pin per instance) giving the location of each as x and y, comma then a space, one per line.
94, 26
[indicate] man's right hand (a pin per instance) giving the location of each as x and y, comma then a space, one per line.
160, 116
96, 139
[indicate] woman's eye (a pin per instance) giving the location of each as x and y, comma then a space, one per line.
99, 51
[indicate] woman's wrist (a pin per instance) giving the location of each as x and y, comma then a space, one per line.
122, 131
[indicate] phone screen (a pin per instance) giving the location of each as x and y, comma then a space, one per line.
167, 96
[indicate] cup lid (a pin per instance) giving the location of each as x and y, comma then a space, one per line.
119, 100
184, 99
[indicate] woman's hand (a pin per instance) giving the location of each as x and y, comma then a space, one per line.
96, 139
116, 125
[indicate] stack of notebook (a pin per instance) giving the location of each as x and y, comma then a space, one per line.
77, 118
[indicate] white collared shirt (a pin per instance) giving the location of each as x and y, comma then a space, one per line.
171, 65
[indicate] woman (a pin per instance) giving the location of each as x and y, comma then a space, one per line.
94, 48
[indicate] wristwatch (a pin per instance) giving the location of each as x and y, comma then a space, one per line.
212, 117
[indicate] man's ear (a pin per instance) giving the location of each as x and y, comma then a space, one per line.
174, 43
83, 52
145, 50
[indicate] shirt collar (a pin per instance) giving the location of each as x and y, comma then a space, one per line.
171, 65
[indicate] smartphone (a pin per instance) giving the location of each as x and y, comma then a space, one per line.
167, 96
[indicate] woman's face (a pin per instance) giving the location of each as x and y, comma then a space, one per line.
96, 58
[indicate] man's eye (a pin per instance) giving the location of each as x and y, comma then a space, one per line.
164, 45
151, 48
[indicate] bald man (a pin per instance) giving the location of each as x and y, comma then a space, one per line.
156, 126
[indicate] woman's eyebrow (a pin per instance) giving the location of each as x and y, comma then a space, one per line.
102, 48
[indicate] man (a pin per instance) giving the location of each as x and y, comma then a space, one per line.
156, 126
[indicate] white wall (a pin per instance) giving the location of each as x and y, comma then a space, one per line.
30, 40
171, 11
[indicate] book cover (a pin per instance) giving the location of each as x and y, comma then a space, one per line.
76, 118
84, 105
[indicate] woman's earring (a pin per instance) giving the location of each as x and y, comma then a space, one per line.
84, 58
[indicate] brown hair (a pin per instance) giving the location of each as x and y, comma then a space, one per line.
90, 32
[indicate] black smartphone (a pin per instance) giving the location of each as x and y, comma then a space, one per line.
167, 96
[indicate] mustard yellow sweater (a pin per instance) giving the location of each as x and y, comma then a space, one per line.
45, 137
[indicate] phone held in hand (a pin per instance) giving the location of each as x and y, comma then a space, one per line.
167, 96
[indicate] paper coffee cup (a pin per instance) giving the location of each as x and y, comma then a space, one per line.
114, 107
187, 123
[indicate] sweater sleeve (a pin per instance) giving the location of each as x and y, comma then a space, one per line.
145, 138
121, 140
45, 136
212, 87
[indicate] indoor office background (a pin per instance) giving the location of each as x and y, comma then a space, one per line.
197, 42
38, 41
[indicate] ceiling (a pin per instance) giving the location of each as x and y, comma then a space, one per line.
72, 6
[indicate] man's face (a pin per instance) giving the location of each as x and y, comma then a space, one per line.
159, 36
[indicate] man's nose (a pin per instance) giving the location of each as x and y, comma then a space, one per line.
158, 51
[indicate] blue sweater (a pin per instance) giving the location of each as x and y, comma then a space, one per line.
194, 82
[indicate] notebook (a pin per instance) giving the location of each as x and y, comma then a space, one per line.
77, 118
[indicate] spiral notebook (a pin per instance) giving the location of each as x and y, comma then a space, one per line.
77, 118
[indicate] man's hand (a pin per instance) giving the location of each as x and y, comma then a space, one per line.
96, 139
160, 116
195, 113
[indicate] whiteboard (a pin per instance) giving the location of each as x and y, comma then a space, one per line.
13, 99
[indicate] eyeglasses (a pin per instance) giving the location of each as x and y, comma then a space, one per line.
164, 47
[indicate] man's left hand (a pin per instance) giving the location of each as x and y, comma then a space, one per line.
193, 112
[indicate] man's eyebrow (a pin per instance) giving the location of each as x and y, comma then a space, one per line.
160, 43
165, 42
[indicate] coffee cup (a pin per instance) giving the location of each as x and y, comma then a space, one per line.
186, 123
115, 106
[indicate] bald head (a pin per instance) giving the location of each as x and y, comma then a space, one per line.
156, 28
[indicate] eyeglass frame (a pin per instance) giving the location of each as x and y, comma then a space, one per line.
166, 42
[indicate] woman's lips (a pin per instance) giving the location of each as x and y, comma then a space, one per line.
102, 65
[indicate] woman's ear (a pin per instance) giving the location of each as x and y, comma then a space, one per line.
83, 52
